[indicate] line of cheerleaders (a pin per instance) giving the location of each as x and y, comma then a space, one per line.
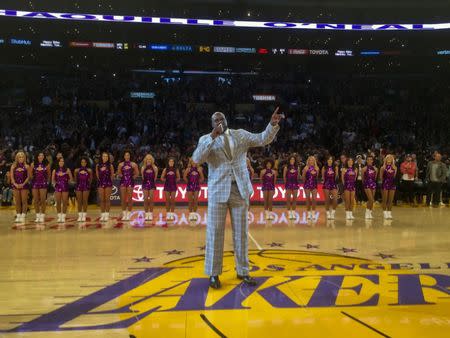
332, 176
38, 176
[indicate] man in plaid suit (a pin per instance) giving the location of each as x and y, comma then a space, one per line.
229, 187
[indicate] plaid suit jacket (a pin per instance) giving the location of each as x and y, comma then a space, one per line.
222, 170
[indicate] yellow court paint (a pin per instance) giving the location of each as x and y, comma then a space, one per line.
315, 294
316, 278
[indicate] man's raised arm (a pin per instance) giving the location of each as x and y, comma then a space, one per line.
267, 136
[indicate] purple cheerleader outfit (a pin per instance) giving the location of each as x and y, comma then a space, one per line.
193, 180
127, 175
170, 185
370, 179
148, 180
349, 179
310, 179
329, 182
20, 175
104, 175
291, 178
268, 181
40, 176
83, 178
62, 180
388, 178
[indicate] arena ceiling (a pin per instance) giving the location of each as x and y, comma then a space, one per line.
138, 4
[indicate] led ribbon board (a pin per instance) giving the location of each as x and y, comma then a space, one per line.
221, 23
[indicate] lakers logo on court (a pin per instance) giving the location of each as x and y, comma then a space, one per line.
298, 291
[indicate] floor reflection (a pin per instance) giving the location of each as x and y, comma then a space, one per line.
256, 218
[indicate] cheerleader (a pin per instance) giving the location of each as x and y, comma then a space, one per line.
127, 171
83, 180
341, 166
193, 176
40, 171
309, 177
20, 176
330, 173
387, 176
359, 186
170, 176
290, 177
369, 180
149, 173
61, 176
268, 177
105, 173
349, 174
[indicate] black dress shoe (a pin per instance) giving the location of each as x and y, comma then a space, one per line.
250, 281
214, 282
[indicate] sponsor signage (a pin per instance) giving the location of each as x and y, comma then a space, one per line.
182, 48
204, 49
220, 49
245, 50
22, 42
318, 52
181, 194
122, 45
159, 47
370, 52
79, 44
51, 43
298, 51
344, 53
261, 97
142, 95
105, 45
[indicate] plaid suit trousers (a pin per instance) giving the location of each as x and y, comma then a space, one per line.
215, 229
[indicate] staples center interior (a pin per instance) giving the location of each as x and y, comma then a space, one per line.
106, 106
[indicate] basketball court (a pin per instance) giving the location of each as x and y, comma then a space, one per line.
377, 278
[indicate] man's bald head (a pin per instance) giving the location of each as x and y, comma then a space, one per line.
219, 118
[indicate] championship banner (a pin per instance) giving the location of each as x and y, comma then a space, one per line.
222, 23
181, 194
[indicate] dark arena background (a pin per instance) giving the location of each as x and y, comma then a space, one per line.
114, 162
